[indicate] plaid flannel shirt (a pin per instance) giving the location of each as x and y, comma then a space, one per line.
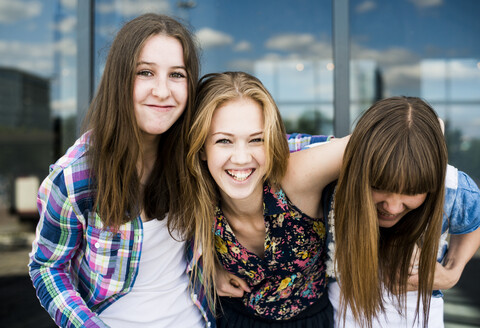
78, 269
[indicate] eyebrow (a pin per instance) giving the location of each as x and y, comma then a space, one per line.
153, 64
231, 134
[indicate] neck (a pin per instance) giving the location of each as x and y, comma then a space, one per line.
248, 209
146, 163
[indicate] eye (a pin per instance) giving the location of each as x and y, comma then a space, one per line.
178, 75
257, 140
222, 141
144, 72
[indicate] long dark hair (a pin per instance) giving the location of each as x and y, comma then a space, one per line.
397, 146
115, 143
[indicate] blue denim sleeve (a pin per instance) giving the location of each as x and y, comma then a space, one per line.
462, 205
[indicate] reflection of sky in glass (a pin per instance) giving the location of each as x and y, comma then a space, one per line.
39, 37
425, 48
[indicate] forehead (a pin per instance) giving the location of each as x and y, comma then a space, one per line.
238, 115
162, 49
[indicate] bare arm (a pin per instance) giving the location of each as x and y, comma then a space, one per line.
310, 170
461, 249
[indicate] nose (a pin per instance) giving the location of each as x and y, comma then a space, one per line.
161, 88
241, 154
393, 205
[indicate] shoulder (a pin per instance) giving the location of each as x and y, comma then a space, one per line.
70, 175
462, 202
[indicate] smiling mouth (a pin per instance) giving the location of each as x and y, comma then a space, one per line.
240, 175
387, 216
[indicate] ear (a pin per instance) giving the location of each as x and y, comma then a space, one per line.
203, 156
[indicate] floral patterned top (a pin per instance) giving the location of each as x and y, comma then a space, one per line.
292, 274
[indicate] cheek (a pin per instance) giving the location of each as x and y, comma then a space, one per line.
181, 92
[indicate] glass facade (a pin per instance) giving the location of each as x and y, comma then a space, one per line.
408, 47
37, 94
422, 48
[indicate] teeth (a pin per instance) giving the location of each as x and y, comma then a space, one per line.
240, 175
386, 214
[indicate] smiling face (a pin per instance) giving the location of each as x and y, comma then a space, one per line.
161, 87
234, 149
392, 207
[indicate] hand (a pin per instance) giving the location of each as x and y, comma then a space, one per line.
445, 278
230, 285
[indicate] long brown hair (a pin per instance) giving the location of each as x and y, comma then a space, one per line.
397, 146
201, 194
115, 143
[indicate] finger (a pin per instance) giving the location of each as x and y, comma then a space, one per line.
240, 283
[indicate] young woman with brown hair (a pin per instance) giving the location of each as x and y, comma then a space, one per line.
387, 213
106, 252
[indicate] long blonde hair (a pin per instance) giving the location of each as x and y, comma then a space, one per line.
115, 143
201, 194
397, 146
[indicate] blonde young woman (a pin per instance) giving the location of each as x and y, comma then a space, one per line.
264, 205
106, 254
389, 219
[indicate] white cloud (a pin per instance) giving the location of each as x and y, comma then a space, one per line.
426, 3
210, 38
243, 46
129, 8
300, 46
366, 6
244, 65
64, 107
70, 4
12, 11
67, 25
36, 58
290, 42
66, 47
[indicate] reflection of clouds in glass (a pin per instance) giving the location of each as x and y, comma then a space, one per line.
70, 4
243, 46
35, 57
30, 57
365, 6
67, 25
399, 67
64, 107
129, 8
426, 3
289, 84
244, 65
210, 38
12, 11
304, 44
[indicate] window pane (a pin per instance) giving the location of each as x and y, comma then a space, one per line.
37, 93
421, 48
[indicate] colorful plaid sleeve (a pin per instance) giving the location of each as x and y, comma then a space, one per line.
299, 141
58, 235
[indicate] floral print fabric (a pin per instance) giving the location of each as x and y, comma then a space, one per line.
291, 276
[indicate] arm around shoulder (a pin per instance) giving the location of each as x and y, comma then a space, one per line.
310, 170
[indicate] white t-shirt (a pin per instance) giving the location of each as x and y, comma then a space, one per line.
160, 295
391, 318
